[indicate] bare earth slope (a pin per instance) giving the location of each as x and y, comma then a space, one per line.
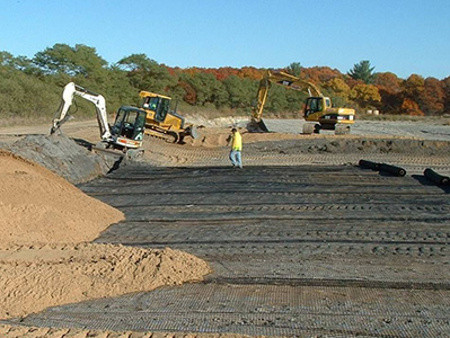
38, 206
37, 277
43, 262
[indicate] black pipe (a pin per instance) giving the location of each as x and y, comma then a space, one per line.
435, 177
369, 165
397, 171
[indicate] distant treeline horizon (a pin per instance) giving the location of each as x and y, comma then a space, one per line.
31, 87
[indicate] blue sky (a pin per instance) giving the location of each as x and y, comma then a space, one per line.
401, 36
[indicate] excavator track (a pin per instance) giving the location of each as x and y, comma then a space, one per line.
170, 137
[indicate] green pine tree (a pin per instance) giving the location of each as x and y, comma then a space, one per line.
295, 68
362, 71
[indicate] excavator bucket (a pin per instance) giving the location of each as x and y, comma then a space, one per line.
58, 124
257, 126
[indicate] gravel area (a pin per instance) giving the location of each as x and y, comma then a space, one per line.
419, 130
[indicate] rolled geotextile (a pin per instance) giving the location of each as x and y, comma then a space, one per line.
397, 171
435, 177
369, 165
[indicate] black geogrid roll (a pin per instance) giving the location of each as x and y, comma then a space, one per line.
435, 177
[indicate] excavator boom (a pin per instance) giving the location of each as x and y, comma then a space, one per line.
282, 78
98, 100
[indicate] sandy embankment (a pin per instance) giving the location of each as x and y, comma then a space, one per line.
45, 223
37, 206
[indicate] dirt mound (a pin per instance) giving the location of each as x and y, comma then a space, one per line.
63, 156
217, 137
38, 206
34, 278
42, 218
211, 140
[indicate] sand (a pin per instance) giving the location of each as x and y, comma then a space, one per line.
16, 331
45, 258
37, 206
35, 277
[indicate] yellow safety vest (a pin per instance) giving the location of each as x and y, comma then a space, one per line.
237, 142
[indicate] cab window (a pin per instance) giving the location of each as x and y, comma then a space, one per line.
151, 103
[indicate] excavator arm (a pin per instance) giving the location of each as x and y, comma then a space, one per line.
282, 78
98, 100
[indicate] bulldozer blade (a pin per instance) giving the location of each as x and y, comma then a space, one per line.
257, 127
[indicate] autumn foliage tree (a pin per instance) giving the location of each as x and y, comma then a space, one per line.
446, 83
226, 88
365, 95
433, 97
338, 87
389, 87
410, 107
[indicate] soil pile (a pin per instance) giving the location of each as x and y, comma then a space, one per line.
37, 206
34, 278
43, 219
63, 156
218, 137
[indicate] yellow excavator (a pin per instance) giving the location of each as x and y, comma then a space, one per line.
318, 108
163, 123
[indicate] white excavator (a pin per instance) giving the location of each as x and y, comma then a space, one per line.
127, 131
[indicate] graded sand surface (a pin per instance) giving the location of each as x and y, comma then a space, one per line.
36, 277
9, 331
44, 260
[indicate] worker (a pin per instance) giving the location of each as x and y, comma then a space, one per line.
235, 140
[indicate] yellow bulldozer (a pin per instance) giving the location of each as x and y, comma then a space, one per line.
161, 121
318, 108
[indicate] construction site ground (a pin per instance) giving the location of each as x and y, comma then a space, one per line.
302, 242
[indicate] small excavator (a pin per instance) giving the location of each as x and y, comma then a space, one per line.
318, 108
163, 123
127, 131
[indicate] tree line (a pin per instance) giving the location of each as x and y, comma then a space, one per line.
32, 87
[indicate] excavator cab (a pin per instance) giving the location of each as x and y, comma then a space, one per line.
159, 105
128, 127
316, 105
